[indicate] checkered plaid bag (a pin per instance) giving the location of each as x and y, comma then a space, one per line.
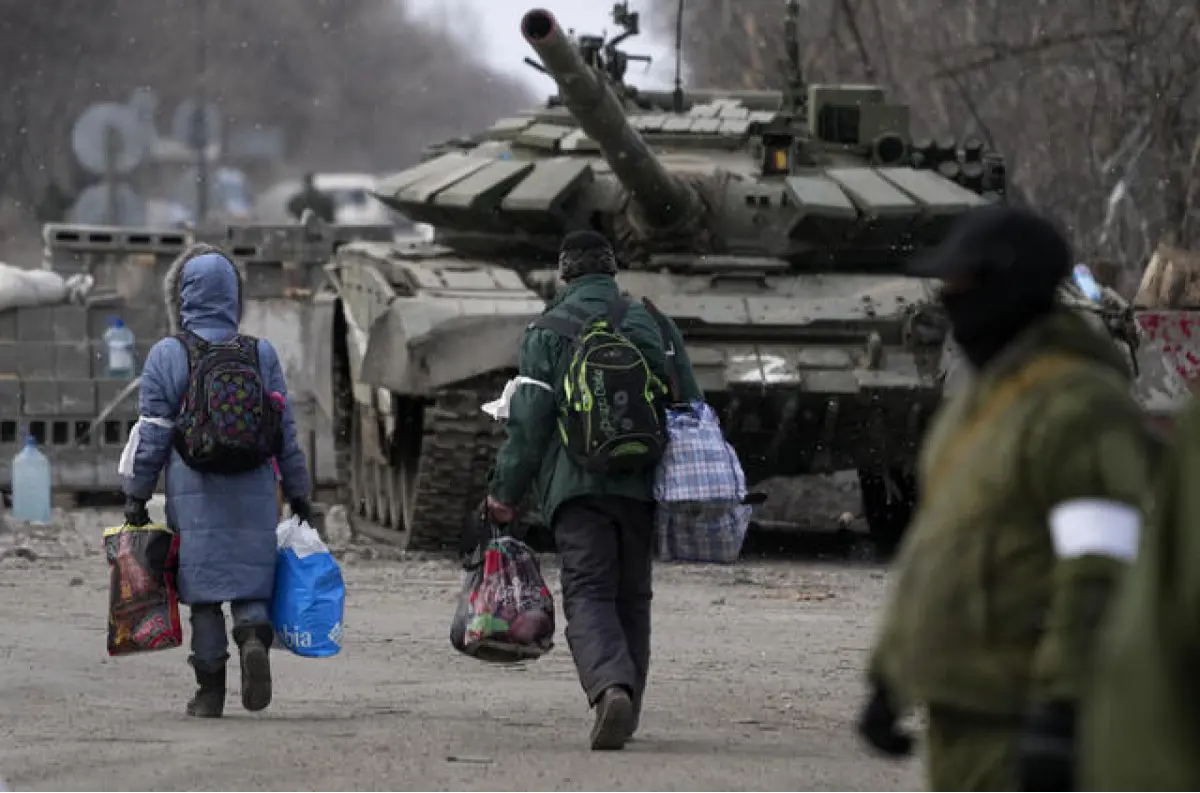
699, 488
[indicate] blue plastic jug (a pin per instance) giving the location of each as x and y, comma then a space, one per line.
31, 484
120, 361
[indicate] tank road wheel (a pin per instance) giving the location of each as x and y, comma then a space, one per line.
439, 456
888, 505
457, 451
357, 505
381, 507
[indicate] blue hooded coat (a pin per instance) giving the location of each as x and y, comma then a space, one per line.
226, 523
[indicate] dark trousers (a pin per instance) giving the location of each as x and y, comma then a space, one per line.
210, 645
606, 547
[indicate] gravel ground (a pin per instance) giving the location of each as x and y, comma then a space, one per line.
756, 676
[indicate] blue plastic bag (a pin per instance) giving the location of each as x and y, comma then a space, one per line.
310, 594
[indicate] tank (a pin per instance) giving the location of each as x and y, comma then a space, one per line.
772, 226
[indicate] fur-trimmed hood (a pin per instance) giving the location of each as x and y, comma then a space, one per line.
203, 292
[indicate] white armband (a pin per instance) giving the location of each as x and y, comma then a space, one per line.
498, 408
1094, 526
125, 466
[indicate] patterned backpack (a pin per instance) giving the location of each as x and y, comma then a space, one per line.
228, 423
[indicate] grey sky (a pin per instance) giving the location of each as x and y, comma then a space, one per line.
494, 27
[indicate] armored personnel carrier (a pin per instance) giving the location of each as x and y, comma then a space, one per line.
772, 226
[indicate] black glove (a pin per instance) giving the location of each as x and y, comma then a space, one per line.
1046, 754
877, 724
302, 509
135, 512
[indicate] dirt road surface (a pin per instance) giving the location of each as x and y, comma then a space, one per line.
756, 677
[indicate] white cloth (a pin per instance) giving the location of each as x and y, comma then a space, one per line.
498, 408
125, 466
1094, 526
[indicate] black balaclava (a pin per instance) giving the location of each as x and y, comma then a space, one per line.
585, 253
1003, 266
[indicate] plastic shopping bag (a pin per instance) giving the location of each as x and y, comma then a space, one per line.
310, 595
143, 604
505, 613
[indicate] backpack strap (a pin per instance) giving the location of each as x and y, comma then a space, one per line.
196, 346
572, 326
563, 326
249, 345
615, 314
664, 331
193, 345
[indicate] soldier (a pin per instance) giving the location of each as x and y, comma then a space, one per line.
1028, 511
603, 522
310, 197
1141, 727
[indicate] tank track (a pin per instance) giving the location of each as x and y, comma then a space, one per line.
457, 453
458, 447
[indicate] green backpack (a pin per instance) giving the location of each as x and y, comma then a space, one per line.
611, 406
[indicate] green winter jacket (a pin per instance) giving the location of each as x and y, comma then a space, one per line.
533, 453
995, 598
1140, 729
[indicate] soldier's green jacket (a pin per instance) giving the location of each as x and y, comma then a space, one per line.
1141, 727
532, 452
1029, 508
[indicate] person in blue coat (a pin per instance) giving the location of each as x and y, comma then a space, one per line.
226, 523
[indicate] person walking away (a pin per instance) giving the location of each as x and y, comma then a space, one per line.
603, 518
222, 505
1030, 483
1141, 726
310, 197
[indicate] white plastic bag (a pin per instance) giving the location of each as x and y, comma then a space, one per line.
125, 465
302, 538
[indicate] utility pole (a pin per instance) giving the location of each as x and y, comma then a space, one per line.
200, 117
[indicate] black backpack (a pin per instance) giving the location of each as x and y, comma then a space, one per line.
611, 405
228, 423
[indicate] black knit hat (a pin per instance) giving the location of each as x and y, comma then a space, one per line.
585, 253
1001, 242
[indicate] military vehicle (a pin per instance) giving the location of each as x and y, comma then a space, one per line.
53, 382
772, 226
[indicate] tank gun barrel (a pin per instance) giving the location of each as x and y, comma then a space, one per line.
663, 201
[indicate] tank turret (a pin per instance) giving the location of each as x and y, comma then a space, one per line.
663, 201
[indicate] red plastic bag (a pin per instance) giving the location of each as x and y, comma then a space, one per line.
506, 611
143, 605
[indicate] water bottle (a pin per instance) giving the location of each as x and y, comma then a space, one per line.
1086, 282
119, 341
31, 484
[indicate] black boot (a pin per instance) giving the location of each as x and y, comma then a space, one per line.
254, 644
614, 719
209, 700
